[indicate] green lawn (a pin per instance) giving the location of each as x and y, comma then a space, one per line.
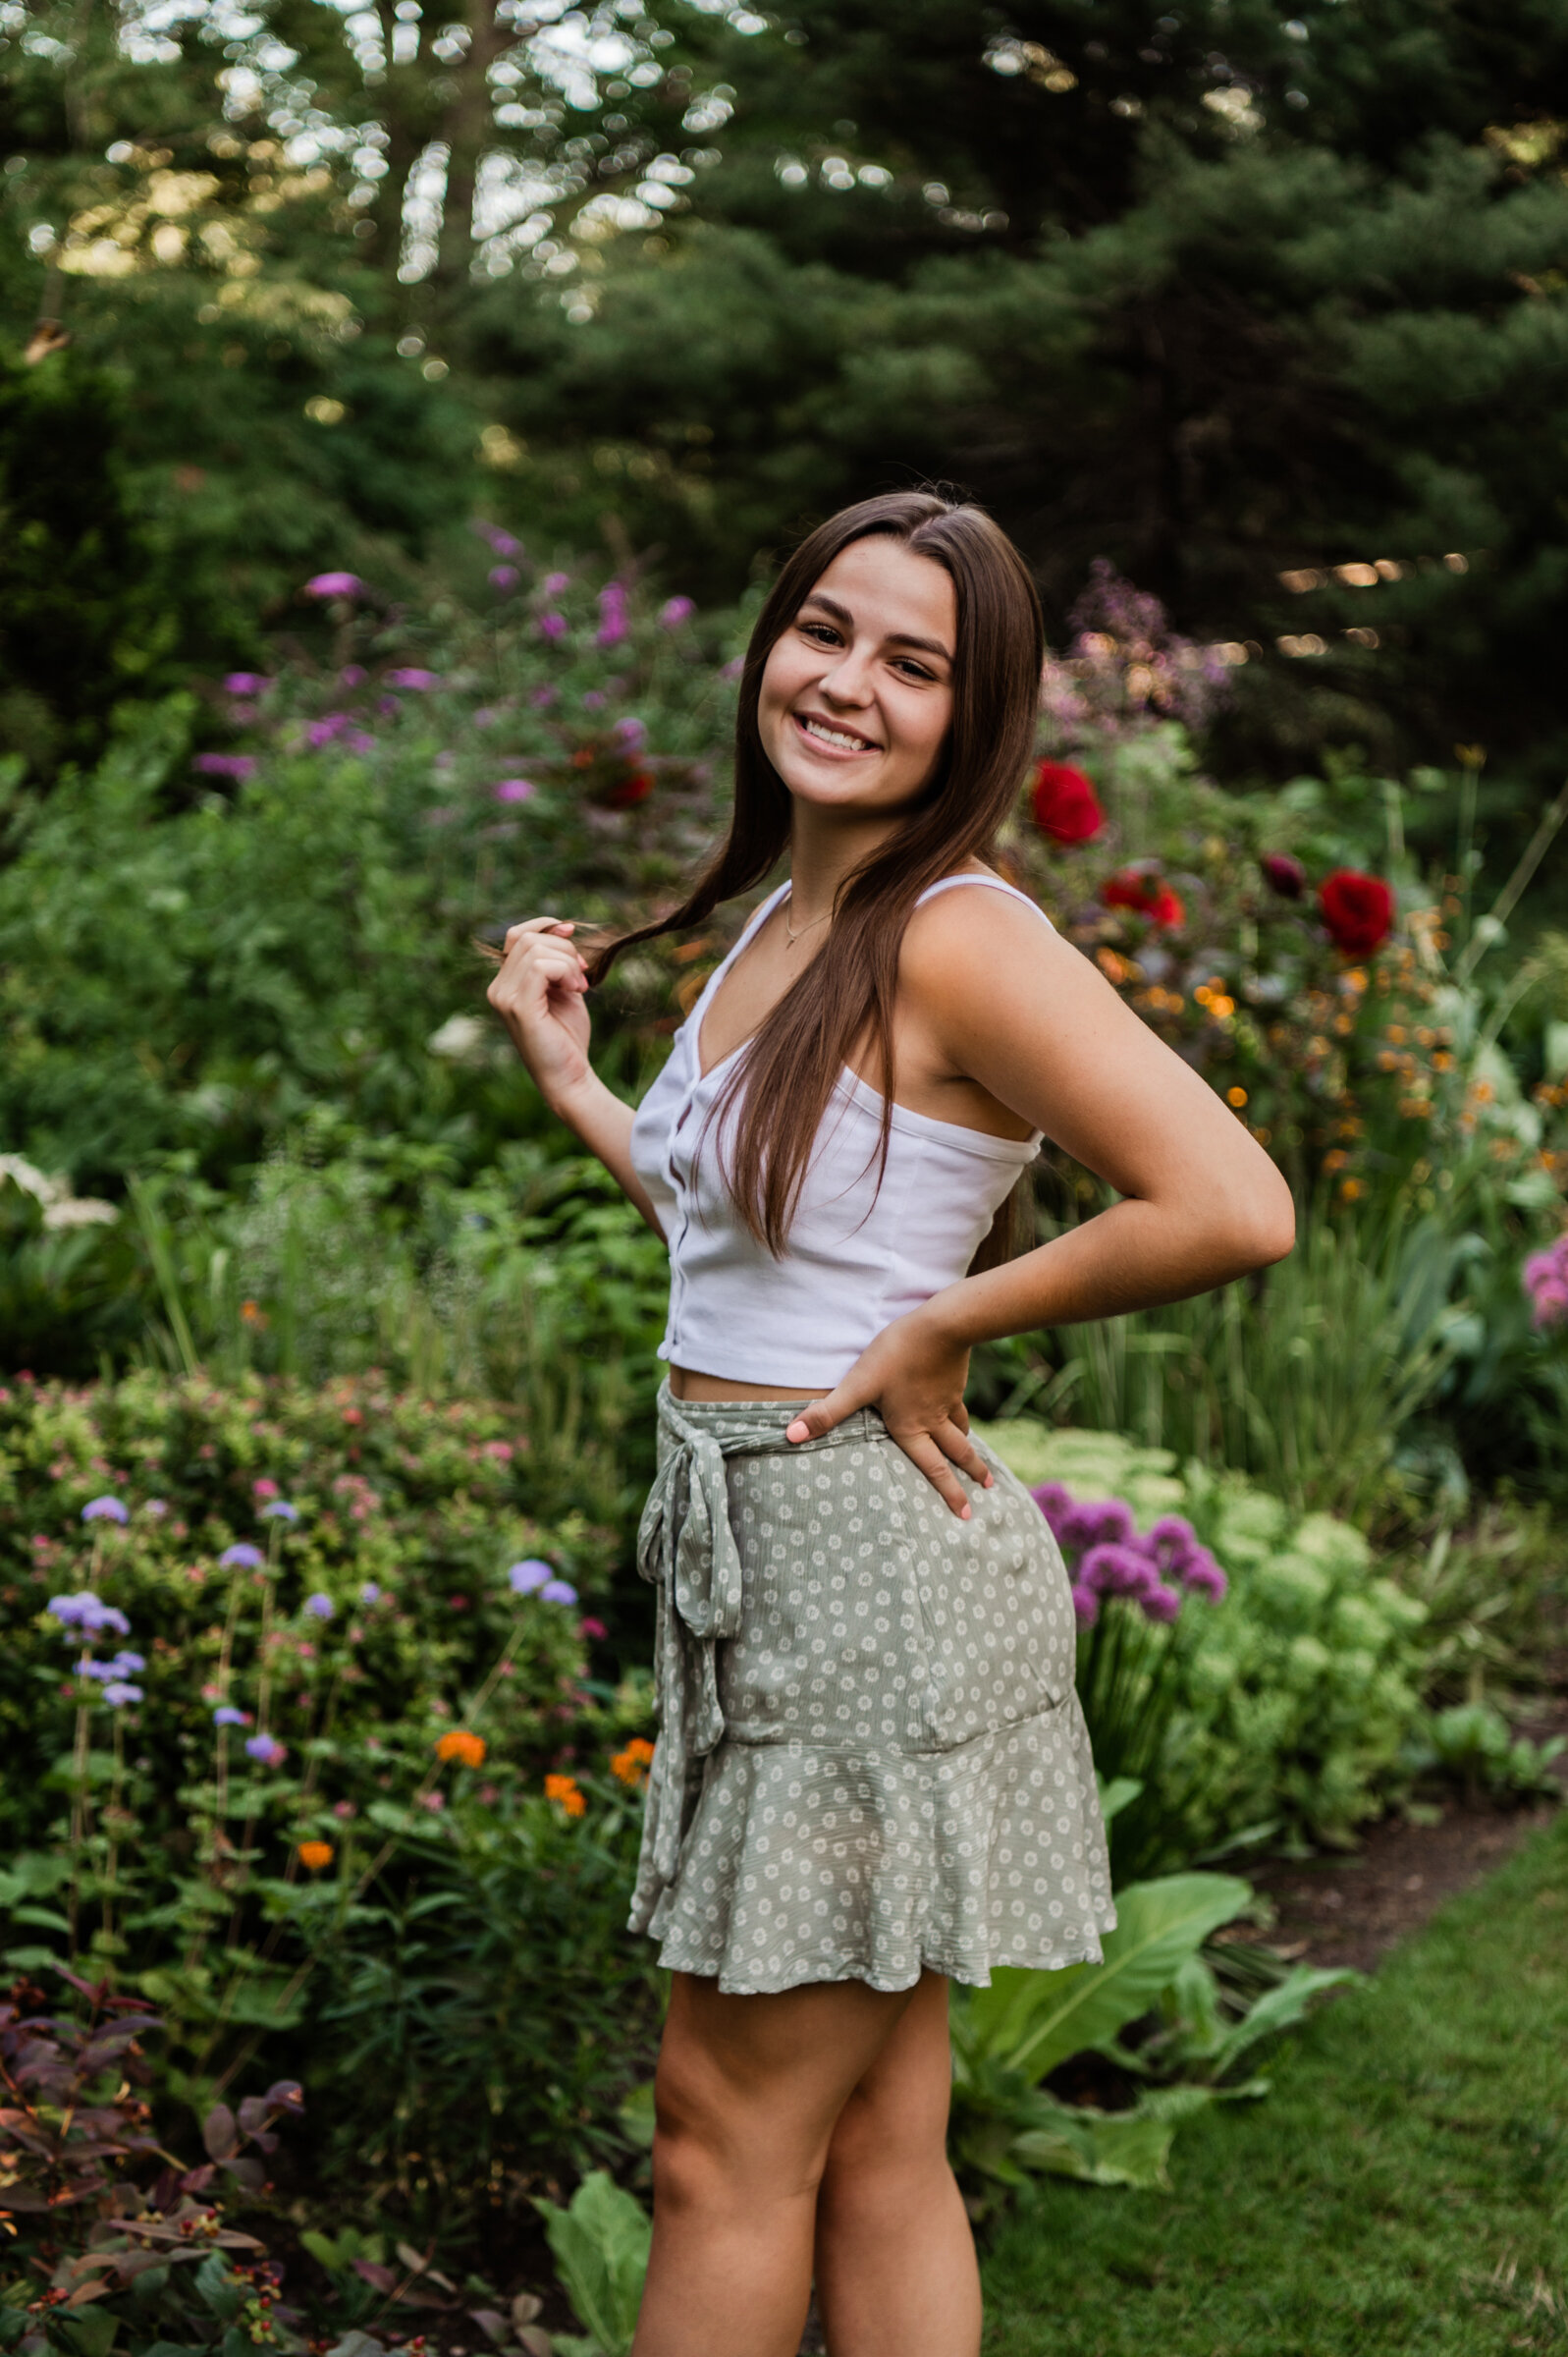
1405, 2187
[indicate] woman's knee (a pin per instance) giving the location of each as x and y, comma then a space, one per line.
707, 2148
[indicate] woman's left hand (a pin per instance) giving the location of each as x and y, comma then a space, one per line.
914, 1375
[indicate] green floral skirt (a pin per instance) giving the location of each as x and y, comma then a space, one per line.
871, 1758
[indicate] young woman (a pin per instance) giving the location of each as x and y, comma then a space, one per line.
872, 1774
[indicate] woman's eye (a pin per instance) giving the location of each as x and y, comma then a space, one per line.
821, 631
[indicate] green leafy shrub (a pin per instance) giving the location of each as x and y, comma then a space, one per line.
1292, 1701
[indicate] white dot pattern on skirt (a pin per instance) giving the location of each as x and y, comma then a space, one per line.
904, 1778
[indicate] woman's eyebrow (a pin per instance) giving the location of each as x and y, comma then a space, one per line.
841, 614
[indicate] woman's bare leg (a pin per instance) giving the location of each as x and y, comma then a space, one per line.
895, 2259
747, 2096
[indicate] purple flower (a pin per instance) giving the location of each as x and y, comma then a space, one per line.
335, 584
1160, 1603
1202, 1576
267, 1749
593, 702
248, 683
102, 1671
129, 1664
120, 1693
227, 1715
524, 1577
542, 698
388, 704
552, 626
104, 1509
630, 734
675, 611
280, 1511
558, 1591
410, 676
515, 789
370, 1593
240, 1557
613, 623
89, 1611
503, 577
1053, 1502
555, 583
322, 732
1112, 1568
352, 675
1108, 1520
320, 1607
1546, 1280
359, 741
237, 766
1086, 1605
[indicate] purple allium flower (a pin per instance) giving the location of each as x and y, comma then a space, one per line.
503, 577
555, 583
1113, 1569
558, 1591
248, 683
613, 624
240, 1557
320, 1607
552, 626
227, 1715
267, 1749
1054, 1500
280, 1511
1202, 1576
104, 1509
120, 1693
524, 1577
1086, 1605
335, 584
370, 1593
1105, 1521
1160, 1603
410, 676
237, 766
515, 789
675, 611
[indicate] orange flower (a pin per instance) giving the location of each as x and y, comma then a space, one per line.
628, 1765
461, 1745
315, 1855
564, 1789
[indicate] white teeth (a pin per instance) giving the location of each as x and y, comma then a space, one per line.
851, 744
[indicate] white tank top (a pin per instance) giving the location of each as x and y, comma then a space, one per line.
856, 1257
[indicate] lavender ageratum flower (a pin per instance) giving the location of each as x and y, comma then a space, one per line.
1086, 1606
240, 1557
515, 789
503, 577
104, 1509
675, 611
120, 1693
102, 1671
267, 1749
129, 1664
88, 1612
237, 766
320, 1607
552, 626
280, 1511
335, 584
227, 1715
525, 1578
558, 1591
370, 1593
411, 676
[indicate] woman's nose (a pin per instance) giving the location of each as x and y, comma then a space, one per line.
849, 680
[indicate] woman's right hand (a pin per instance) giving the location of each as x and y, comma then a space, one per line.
539, 995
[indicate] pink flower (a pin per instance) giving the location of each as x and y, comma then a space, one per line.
674, 611
432, 1800
552, 626
411, 676
264, 1488
555, 583
335, 584
515, 789
503, 577
590, 1627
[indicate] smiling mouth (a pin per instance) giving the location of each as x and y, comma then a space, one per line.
829, 735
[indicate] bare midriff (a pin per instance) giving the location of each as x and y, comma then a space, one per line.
686, 1384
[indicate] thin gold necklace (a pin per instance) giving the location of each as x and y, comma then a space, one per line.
791, 931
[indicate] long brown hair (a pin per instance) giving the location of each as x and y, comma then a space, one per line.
794, 1058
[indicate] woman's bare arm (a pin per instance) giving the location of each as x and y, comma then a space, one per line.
540, 995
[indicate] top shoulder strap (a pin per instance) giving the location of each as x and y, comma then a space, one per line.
992, 883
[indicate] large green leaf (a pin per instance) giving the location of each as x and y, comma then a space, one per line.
1029, 2021
1279, 2008
1100, 2148
601, 2250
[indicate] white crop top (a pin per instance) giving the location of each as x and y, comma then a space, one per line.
856, 1257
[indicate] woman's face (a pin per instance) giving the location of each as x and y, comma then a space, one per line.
857, 693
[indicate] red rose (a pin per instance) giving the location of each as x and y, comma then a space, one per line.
635, 787
1144, 895
1066, 804
1358, 911
1288, 876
